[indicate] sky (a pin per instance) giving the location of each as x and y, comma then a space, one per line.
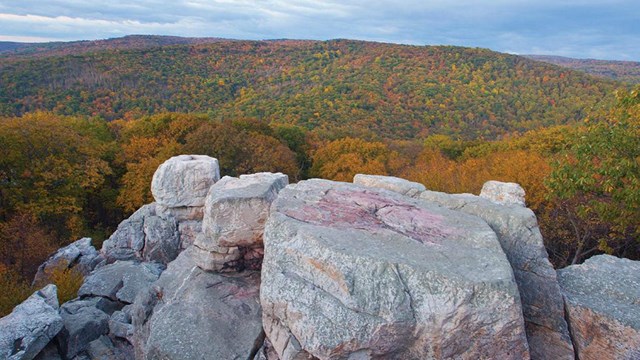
598, 29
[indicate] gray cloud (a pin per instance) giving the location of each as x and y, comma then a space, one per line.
578, 28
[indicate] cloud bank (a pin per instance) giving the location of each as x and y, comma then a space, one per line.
576, 28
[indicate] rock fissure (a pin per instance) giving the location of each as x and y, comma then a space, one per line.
407, 291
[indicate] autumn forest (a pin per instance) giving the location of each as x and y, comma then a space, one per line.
83, 127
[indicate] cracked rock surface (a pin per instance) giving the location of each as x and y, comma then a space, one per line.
603, 307
144, 236
355, 272
121, 280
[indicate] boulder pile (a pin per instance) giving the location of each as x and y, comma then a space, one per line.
381, 268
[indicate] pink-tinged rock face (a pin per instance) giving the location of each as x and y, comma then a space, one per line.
356, 272
368, 210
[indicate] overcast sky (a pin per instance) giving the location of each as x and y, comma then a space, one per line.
601, 29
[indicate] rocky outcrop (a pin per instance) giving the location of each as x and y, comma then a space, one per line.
603, 307
190, 312
354, 272
520, 238
160, 230
236, 210
30, 326
79, 255
379, 269
503, 193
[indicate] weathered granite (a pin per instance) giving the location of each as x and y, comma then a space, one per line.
401, 186
234, 216
121, 280
184, 180
83, 323
603, 307
188, 231
355, 272
120, 325
190, 313
144, 236
31, 325
503, 193
520, 238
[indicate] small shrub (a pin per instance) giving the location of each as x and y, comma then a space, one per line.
68, 281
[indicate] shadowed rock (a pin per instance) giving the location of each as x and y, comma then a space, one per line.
144, 236
83, 323
192, 314
121, 280
603, 307
356, 272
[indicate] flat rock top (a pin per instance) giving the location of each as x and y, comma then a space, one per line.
607, 285
247, 186
504, 193
382, 224
402, 186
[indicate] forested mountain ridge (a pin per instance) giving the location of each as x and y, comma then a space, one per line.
627, 71
337, 88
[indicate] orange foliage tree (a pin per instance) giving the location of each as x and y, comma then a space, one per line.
342, 159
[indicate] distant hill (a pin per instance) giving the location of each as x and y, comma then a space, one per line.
337, 87
627, 71
20, 50
9, 46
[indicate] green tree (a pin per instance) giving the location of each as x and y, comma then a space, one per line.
600, 174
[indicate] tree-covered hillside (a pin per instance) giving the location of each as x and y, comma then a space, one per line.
337, 87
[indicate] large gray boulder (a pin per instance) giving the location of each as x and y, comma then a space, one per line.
235, 212
121, 281
520, 238
603, 307
79, 255
184, 180
193, 314
355, 272
31, 325
399, 185
144, 236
